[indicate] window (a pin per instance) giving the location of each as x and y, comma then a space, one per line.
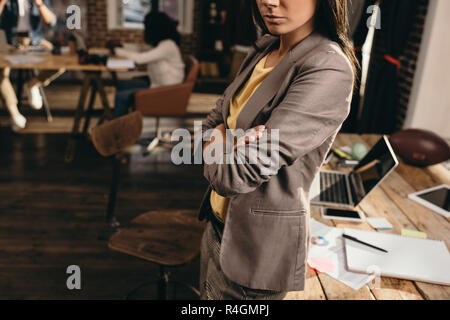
130, 14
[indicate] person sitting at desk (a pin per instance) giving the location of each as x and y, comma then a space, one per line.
165, 65
26, 16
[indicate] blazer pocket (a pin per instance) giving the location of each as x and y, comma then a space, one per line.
276, 253
279, 213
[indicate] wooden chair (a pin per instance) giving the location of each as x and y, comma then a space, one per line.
169, 238
112, 139
167, 101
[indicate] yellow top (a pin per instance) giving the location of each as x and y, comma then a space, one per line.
219, 204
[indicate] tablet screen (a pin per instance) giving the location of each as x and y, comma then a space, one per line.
439, 197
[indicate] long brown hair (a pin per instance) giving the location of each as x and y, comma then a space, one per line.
331, 20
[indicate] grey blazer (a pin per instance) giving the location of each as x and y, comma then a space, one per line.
307, 97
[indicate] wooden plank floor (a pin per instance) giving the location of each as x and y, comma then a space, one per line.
51, 216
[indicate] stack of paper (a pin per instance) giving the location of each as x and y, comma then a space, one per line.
24, 59
327, 242
114, 63
379, 223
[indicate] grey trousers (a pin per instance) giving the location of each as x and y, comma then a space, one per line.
214, 285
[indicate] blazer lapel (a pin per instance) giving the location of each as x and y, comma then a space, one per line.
244, 76
271, 85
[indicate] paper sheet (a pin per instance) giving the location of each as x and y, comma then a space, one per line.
414, 234
115, 63
321, 264
24, 59
329, 244
379, 223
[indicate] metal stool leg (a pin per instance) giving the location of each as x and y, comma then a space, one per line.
46, 106
110, 217
163, 286
155, 142
20, 83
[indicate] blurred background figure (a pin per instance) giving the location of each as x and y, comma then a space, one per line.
24, 23
164, 61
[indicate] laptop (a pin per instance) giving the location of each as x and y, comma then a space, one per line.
347, 190
3, 41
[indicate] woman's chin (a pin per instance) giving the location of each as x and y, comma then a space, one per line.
276, 30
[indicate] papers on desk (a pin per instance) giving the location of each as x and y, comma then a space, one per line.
24, 59
115, 63
327, 242
379, 223
414, 234
408, 258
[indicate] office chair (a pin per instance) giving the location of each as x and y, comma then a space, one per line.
167, 101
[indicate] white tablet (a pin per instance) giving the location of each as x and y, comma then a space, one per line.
436, 199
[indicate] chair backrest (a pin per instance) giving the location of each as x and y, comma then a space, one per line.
169, 101
117, 135
192, 68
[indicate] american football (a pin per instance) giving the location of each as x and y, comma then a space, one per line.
420, 148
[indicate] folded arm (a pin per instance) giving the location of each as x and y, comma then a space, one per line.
313, 109
161, 51
2, 5
47, 14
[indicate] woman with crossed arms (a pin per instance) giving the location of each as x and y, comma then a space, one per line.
296, 82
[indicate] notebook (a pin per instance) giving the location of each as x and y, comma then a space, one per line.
407, 258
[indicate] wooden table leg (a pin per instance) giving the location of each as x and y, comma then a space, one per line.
70, 151
20, 84
101, 90
90, 108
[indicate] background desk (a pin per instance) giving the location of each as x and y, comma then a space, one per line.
92, 82
390, 201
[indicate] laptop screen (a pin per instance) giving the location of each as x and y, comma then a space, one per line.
375, 166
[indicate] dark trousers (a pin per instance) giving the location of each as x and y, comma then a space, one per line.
125, 95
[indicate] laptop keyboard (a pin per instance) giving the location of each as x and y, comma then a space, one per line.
333, 188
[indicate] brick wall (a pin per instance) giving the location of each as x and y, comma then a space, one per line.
98, 33
408, 60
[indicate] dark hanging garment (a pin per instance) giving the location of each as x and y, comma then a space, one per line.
380, 104
358, 31
9, 19
355, 13
239, 27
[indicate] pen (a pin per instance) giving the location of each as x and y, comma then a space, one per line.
341, 154
364, 243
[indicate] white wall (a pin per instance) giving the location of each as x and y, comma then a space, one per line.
429, 105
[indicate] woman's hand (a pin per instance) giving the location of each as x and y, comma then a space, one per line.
219, 129
46, 14
253, 135
38, 2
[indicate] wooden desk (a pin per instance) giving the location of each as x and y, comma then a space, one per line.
390, 201
92, 82
52, 62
